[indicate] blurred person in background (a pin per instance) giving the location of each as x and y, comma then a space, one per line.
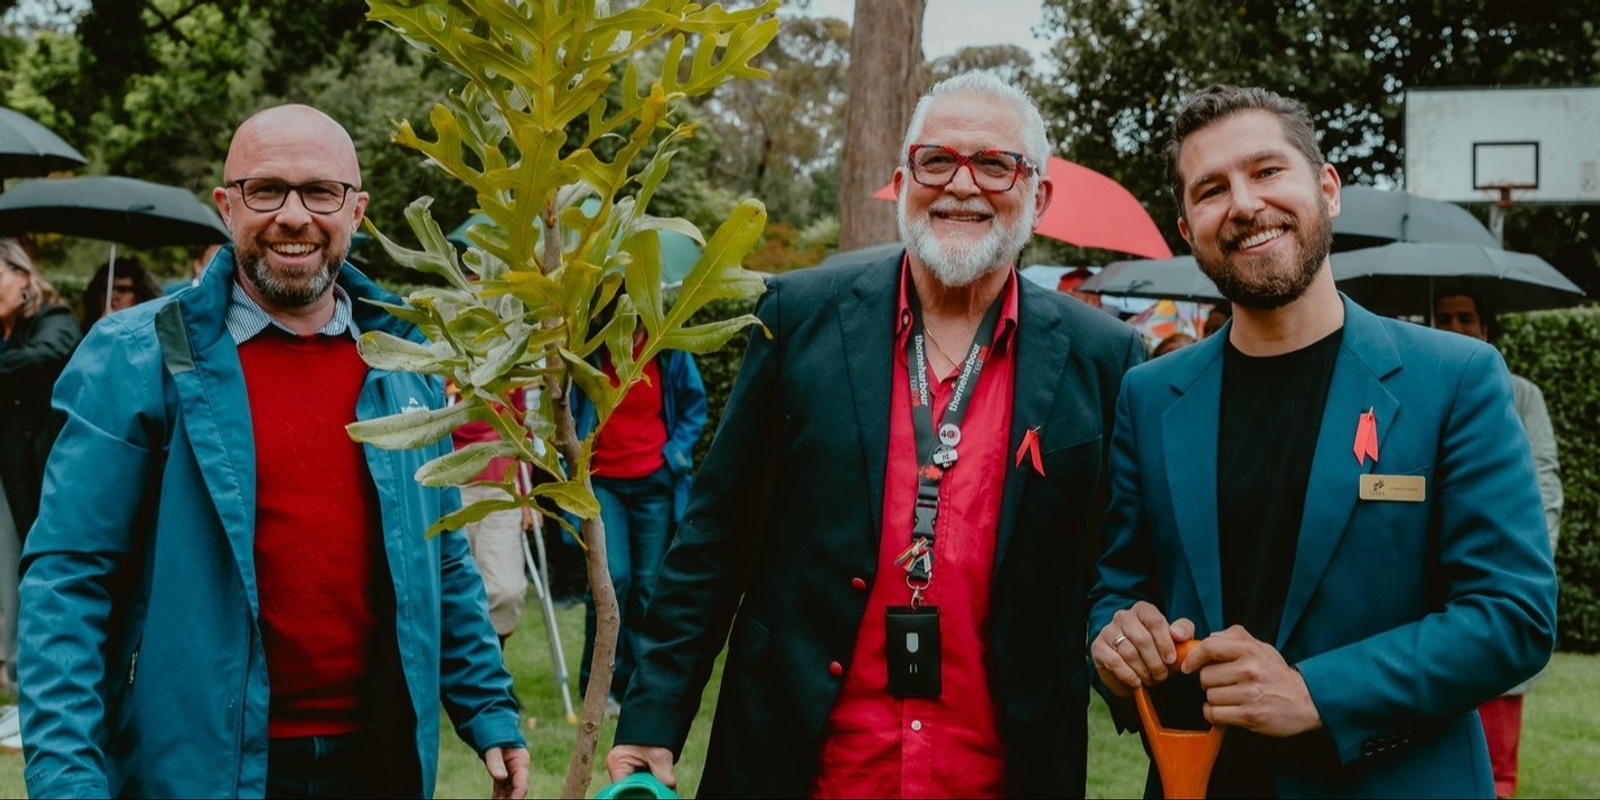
131, 285
1463, 311
497, 538
1070, 282
1216, 318
1171, 343
197, 267
642, 467
37, 336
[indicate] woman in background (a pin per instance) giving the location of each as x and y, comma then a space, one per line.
37, 336
130, 286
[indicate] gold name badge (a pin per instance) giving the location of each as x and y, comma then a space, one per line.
1402, 488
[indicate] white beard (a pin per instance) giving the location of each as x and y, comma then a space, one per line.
960, 263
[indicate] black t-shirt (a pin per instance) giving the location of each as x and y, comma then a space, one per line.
1271, 415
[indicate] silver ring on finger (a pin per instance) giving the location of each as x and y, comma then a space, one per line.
1121, 637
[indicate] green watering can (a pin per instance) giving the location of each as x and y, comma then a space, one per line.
638, 786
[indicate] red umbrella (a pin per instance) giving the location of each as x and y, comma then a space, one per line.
1092, 210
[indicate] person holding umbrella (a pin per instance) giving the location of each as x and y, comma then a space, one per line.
1367, 563
131, 285
1460, 309
37, 336
224, 595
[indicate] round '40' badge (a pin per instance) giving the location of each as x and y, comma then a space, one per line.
949, 434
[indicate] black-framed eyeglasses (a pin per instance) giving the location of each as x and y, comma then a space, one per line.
269, 194
934, 166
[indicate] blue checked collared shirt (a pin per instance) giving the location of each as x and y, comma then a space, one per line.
246, 317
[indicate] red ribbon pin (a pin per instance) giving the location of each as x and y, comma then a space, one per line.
1366, 438
1030, 448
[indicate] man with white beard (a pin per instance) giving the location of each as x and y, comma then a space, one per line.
894, 519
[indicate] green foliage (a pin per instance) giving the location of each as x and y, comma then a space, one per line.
1560, 351
546, 286
779, 139
1124, 65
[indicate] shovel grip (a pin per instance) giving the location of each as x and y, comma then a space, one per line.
1183, 758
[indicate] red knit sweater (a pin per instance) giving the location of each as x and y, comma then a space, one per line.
318, 551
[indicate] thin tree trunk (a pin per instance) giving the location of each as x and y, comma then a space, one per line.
608, 618
885, 82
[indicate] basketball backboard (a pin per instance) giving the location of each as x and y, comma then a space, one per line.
1540, 145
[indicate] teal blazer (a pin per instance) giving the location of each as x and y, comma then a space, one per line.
1402, 616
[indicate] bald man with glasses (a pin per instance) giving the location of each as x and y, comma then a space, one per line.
224, 595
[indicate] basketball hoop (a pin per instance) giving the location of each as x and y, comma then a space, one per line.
1504, 193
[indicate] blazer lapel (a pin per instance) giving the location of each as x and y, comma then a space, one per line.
1034, 393
1189, 432
1366, 356
866, 329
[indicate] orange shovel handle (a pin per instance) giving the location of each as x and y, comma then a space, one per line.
1183, 758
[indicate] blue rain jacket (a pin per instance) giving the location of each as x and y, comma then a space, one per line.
143, 666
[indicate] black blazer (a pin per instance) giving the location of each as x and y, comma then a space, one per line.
33, 358
786, 512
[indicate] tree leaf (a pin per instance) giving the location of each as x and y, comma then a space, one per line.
571, 496
389, 352
409, 429
464, 463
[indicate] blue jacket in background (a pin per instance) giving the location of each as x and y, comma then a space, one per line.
142, 661
683, 409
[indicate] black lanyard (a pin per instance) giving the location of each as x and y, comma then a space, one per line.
936, 451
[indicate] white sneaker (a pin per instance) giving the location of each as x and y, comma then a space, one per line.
12, 743
10, 722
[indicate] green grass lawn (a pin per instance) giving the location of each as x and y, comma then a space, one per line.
1559, 741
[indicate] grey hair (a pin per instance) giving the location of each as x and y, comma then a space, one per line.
1035, 144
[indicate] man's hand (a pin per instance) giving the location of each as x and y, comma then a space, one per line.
508, 767
1137, 648
1249, 685
626, 759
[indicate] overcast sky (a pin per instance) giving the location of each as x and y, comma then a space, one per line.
949, 25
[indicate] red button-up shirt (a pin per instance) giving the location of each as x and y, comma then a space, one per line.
876, 745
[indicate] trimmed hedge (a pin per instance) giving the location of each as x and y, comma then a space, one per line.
1560, 351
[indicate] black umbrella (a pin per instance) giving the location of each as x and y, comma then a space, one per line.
119, 210
1371, 217
28, 148
123, 210
1401, 279
1177, 278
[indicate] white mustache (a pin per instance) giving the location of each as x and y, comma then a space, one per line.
958, 206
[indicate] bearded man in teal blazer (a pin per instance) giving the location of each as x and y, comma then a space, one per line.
1342, 508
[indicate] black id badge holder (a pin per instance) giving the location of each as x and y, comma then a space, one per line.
913, 651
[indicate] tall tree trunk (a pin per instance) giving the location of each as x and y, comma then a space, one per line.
885, 82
